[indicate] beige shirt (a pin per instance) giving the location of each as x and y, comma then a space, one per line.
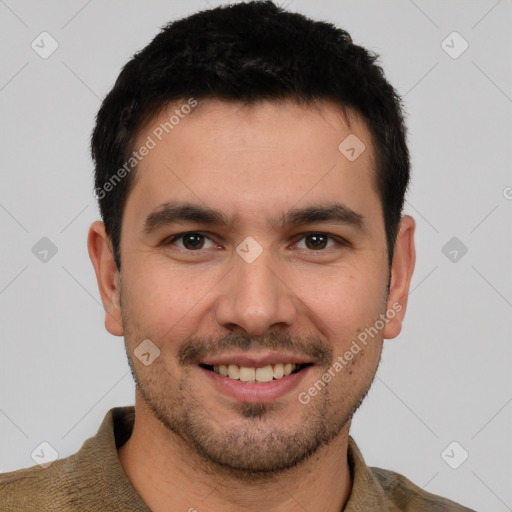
93, 480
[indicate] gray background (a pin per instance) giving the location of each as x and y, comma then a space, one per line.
446, 378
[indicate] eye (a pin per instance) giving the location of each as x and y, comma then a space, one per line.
318, 241
191, 241
194, 241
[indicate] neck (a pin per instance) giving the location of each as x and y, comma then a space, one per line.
169, 475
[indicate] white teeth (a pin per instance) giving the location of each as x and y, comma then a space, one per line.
278, 371
233, 371
264, 374
247, 374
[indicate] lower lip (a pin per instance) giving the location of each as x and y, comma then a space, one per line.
257, 392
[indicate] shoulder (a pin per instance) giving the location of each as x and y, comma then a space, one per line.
91, 479
405, 495
37, 488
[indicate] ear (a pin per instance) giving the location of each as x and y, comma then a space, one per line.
107, 275
404, 258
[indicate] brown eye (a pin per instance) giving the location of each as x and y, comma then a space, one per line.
316, 241
192, 241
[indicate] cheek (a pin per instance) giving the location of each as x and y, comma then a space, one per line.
164, 303
346, 304
351, 383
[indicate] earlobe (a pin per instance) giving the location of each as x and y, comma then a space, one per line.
402, 267
107, 276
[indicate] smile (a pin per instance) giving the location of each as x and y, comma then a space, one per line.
263, 374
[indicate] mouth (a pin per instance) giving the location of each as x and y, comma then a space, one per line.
256, 375
261, 378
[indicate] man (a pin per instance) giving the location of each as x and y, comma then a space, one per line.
251, 168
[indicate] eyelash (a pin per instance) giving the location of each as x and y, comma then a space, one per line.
340, 241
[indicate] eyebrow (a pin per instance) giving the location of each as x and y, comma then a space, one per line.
172, 213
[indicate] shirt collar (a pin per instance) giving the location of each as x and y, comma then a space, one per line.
367, 493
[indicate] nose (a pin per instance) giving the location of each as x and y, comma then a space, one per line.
255, 297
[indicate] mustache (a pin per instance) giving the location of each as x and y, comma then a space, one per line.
196, 349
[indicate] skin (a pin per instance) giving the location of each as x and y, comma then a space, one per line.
252, 163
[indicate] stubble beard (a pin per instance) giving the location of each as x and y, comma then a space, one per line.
258, 450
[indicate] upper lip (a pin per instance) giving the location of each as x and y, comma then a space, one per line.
256, 360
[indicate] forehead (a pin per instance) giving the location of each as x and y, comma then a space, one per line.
245, 158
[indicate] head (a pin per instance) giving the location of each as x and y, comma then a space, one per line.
279, 147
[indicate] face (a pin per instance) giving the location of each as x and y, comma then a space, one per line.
253, 257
